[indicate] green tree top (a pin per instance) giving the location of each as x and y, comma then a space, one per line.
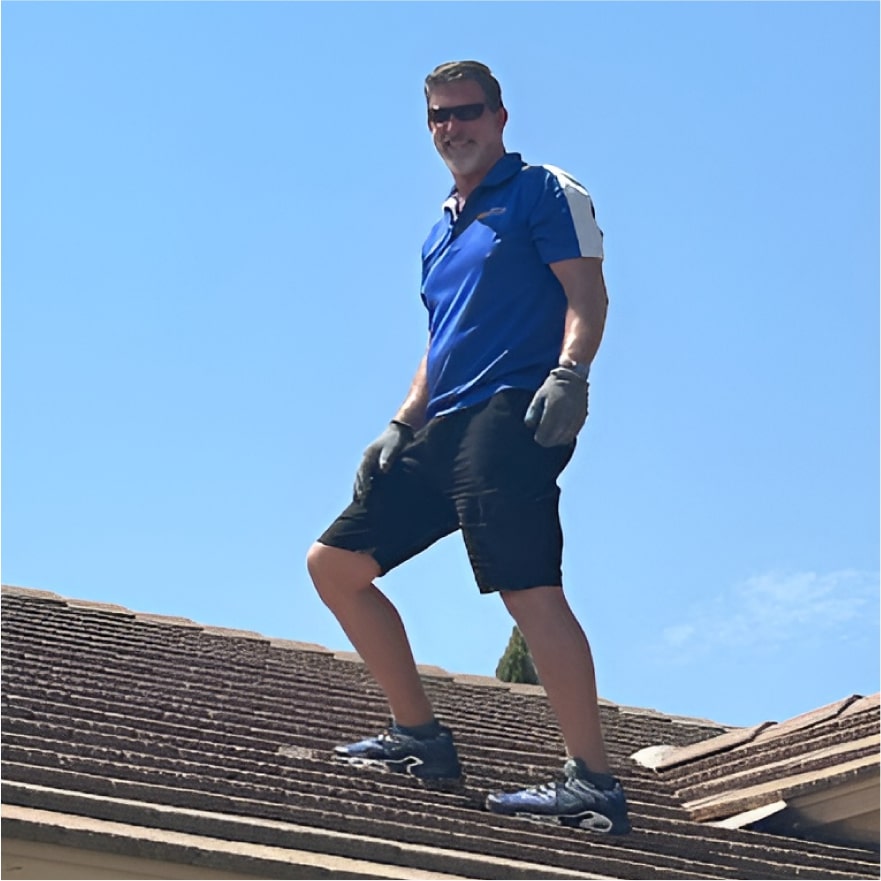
516, 664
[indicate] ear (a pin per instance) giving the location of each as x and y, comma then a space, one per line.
503, 117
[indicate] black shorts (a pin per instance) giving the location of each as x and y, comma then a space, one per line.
478, 470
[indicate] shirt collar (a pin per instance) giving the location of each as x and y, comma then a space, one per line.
506, 167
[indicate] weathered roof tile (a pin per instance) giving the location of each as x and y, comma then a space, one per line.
807, 720
722, 743
212, 732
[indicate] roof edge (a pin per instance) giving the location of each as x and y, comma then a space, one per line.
257, 843
244, 859
796, 785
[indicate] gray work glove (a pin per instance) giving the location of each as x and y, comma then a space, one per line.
559, 408
380, 455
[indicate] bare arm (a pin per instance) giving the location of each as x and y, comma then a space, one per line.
585, 289
412, 411
559, 408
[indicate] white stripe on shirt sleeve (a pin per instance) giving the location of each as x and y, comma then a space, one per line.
590, 236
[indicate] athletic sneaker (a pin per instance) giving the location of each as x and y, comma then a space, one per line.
428, 758
579, 797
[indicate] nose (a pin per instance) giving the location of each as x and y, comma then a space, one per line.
451, 127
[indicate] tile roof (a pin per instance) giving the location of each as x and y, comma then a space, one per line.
756, 768
178, 735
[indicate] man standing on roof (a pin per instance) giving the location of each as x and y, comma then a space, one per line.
513, 283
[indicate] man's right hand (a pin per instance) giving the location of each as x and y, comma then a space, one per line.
380, 456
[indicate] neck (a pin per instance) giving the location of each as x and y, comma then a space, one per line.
466, 184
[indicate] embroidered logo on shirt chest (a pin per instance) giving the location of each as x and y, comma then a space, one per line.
490, 213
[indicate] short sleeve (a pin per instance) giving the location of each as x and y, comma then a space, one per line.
563, 221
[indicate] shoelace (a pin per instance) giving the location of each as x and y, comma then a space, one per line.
546, 788
562, 782
391, 736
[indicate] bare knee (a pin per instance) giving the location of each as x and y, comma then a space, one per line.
534, 603
337, 573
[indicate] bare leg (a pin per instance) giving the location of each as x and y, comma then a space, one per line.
565, 666
344, 581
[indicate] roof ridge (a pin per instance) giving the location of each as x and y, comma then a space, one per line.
345, 655
661, 757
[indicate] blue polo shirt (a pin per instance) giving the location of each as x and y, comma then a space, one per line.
496, 310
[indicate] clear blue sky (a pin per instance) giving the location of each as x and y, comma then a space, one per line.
212, 218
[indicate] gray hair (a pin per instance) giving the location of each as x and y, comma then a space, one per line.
455, 71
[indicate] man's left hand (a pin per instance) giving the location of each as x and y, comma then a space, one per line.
559, 408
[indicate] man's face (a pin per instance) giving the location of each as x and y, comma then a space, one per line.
468, 147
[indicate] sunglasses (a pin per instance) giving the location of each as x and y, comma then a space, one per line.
462, 112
